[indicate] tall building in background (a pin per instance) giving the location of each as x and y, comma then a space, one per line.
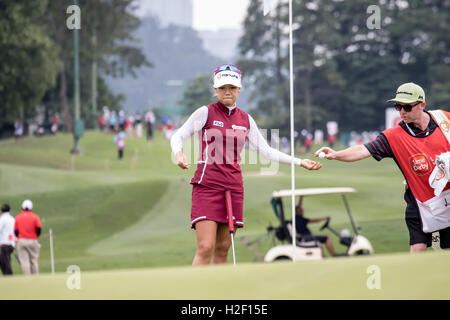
178, 12
221, 43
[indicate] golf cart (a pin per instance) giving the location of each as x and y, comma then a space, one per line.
307, 248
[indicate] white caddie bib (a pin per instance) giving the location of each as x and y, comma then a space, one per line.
442, 121
435, 212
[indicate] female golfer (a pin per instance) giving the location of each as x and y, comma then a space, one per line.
223, 129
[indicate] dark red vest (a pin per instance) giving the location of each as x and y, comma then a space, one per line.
221, 141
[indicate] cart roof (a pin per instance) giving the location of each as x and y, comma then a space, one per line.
311, 191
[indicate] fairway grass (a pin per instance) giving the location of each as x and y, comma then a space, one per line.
401, 276
107, 214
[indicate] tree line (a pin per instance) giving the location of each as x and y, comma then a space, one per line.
345, 66
36, 54
178, 56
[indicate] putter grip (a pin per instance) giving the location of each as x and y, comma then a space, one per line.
229, 211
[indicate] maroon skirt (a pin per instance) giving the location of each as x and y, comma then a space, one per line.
209, 204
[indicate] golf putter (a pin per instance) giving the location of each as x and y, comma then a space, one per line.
230, 220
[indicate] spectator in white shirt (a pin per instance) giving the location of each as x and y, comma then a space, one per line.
7, 239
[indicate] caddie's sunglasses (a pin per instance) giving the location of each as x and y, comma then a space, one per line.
406, 107
227, 67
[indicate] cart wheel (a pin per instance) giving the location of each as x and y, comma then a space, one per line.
280, 258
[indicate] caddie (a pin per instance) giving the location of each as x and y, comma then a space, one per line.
416, 144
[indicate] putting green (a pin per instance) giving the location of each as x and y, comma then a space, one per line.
401, 276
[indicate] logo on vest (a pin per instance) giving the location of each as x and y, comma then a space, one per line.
444, 125
420, 164
235, 127
218, 123
440, 175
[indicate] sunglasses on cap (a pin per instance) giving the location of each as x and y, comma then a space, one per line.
406, 107
225, 67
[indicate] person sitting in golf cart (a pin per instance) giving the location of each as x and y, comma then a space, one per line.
306, 235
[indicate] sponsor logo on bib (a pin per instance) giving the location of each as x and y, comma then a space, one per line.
444, 125
218, 123
440, 175
420, 164
235, 127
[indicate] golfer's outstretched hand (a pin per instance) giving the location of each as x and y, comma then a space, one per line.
330, 154
181, 160
310, 165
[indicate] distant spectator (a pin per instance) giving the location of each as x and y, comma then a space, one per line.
7, 242
101, 123
331, 140
120, 141
113, 122
128, 127
55, 124
296, 138
28, 229
122, 120
168, 130
284, 145
106, 116
149, 121
138, 125
18, 129
332, 131
308, 142
302, 138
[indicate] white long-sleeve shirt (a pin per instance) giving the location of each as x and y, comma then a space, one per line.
256, 140
7, 229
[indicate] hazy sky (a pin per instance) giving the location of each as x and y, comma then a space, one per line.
215, 14
212, 14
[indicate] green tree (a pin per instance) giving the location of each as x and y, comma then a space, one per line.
265, 60
29, 63
411, 45
179, 57
345, 70
421, 32
105, 40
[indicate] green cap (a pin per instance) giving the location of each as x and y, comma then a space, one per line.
409, 93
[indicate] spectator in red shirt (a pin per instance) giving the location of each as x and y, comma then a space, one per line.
55, 124
101, 123
28, 229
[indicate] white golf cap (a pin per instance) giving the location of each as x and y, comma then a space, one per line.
227, 77
27, 205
